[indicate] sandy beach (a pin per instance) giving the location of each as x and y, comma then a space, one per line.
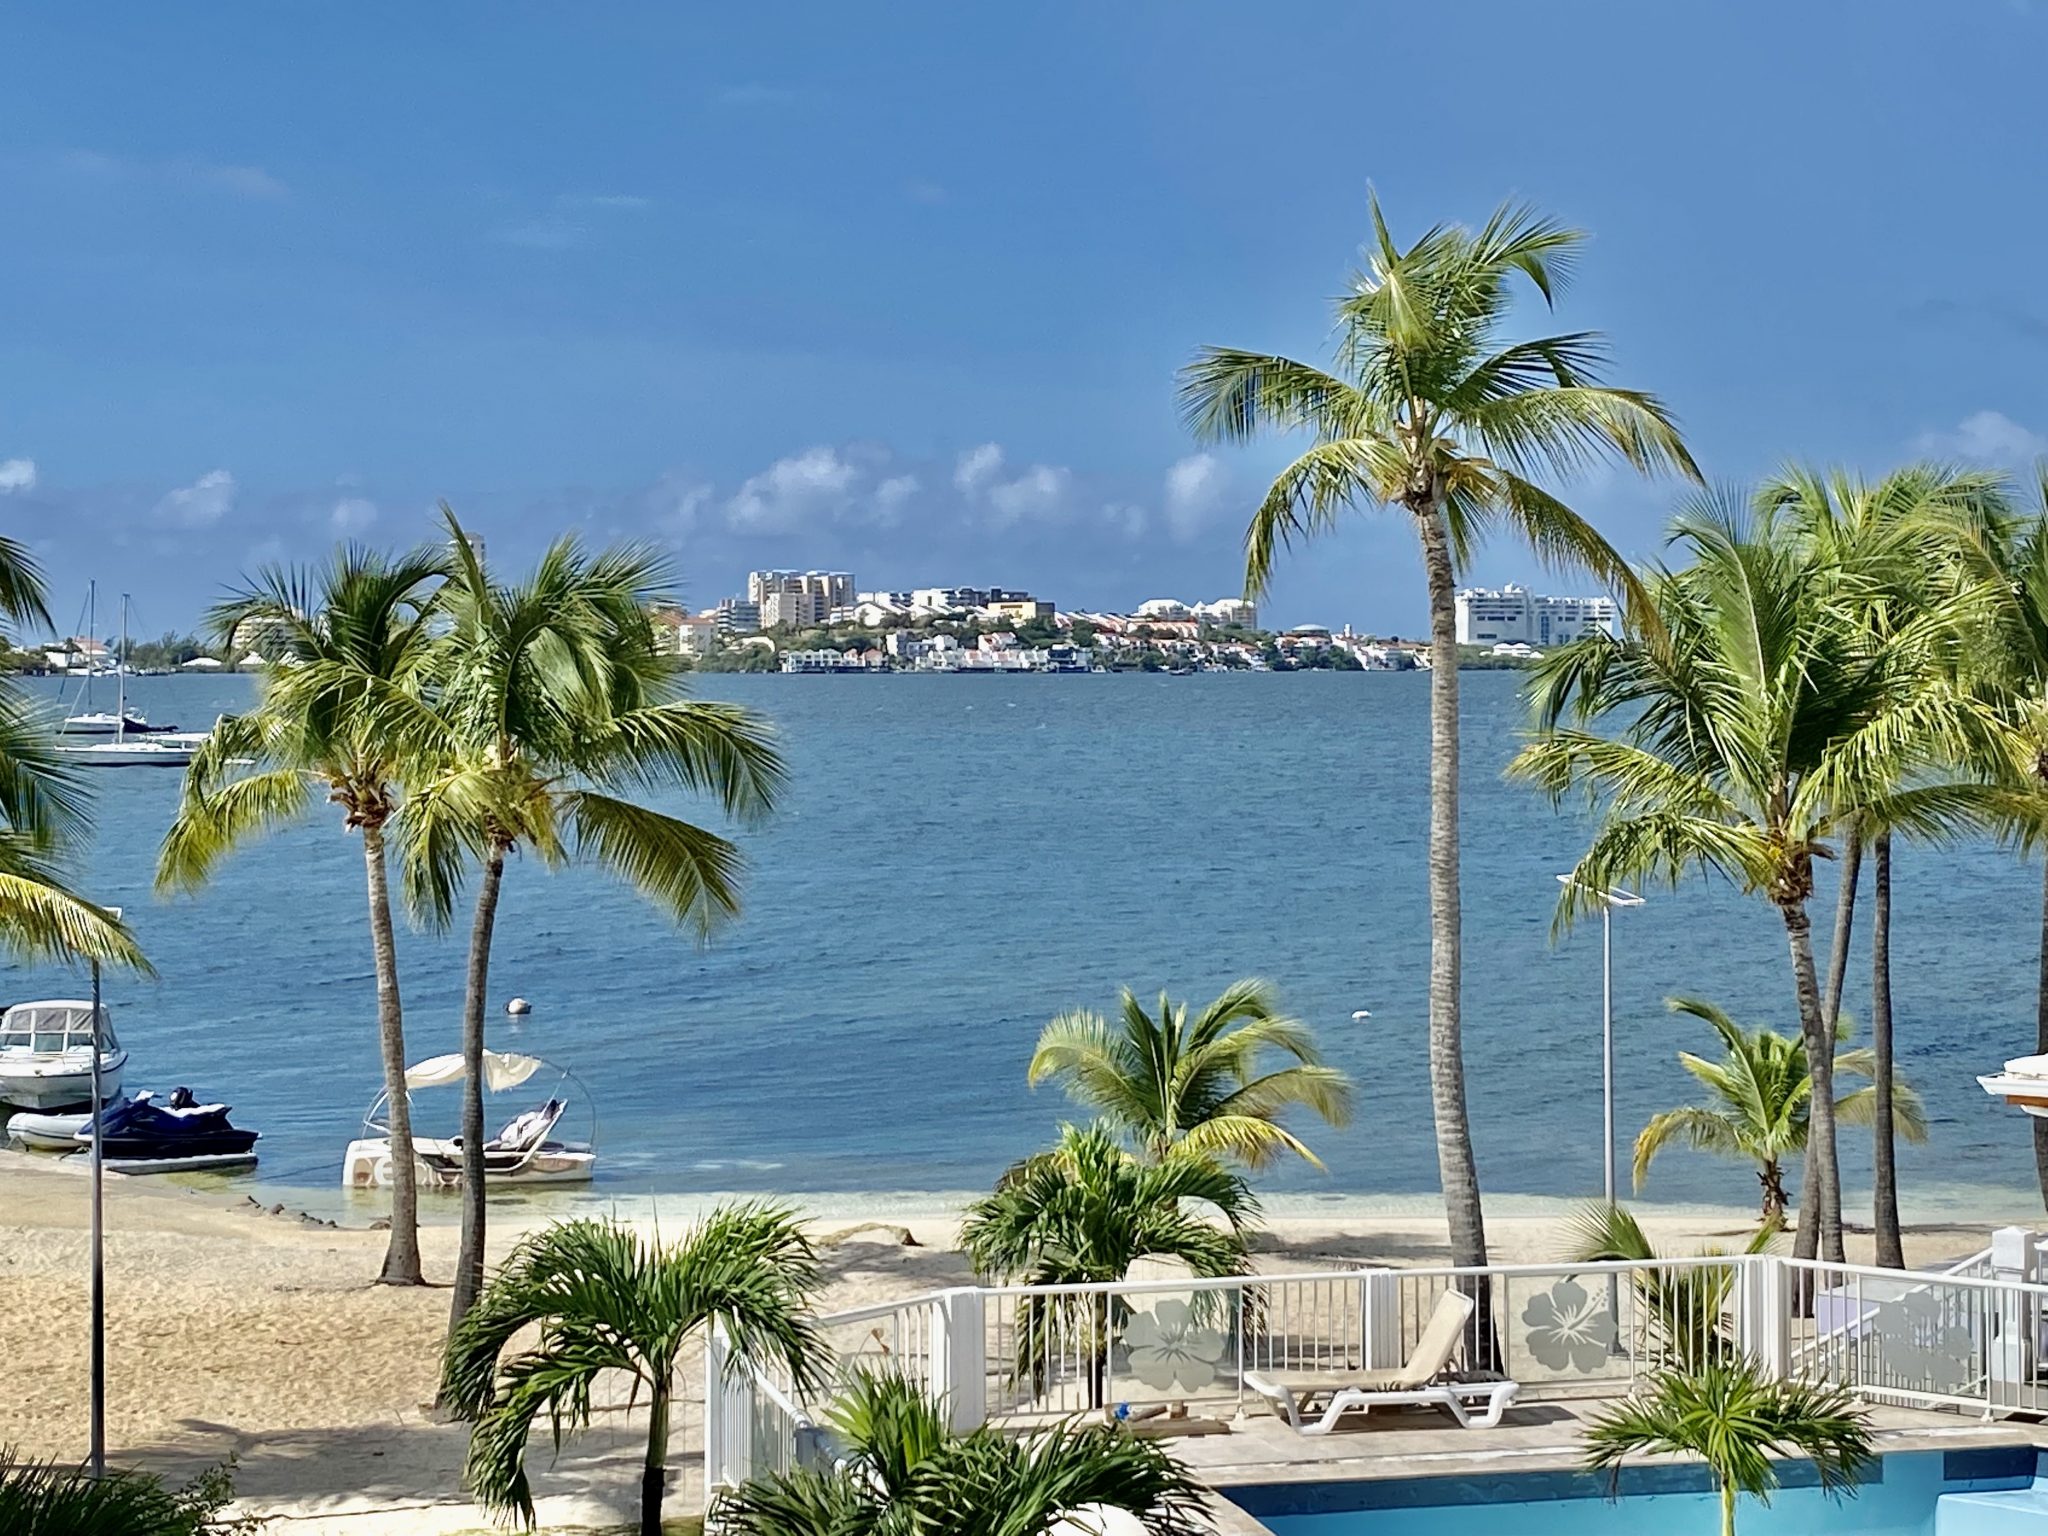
234, 1330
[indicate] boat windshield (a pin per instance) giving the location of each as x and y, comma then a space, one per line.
52, 1029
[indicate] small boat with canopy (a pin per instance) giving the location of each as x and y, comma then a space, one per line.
2022, 1083
525, 1151
46, 1054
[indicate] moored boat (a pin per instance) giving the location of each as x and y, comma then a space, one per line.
2023, 1083
175, 1136
46, 1055
526, 1151
54, 1132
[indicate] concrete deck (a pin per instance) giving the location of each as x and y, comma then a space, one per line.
1533, 1437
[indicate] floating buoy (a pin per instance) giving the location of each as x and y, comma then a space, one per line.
518, 1007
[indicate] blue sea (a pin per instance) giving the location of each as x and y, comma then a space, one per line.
959, 859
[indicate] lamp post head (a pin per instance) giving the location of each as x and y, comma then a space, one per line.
1616, 897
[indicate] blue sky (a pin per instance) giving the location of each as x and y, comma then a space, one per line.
904, 288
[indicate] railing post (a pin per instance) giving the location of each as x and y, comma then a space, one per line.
714, 1412
959, 1357
1764, 1314
2015, 1261
1380, 1319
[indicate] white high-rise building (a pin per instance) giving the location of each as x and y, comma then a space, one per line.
1513, 615
799, 598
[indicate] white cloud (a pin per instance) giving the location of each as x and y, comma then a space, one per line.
1988, 437
1194, 493
201, 504
238, 180
892, 495
1037, 493
352, 515
793, 491
551, 233
1125, 517
17, 475
977, 466
247, 181
677, 503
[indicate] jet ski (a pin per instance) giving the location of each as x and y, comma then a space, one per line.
175, 1136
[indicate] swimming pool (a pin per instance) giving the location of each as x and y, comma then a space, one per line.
1991, 1491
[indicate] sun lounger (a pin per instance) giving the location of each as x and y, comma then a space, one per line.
1313, 1405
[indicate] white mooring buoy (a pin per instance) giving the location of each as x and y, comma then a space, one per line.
519, 1007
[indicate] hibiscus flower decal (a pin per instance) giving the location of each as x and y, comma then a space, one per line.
1171, 1348
1569, 1328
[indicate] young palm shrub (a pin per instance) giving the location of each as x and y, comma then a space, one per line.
45, 1499
605, 1299
1736, 1420
903, 1470
561, 712
343, 719
1681, 1307
1432, 410
1170, 1082
1763, 1091
1757, 723
1083, 1213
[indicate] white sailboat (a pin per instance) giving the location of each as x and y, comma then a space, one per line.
128, 749
89, 721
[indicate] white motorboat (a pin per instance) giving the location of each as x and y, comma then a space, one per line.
46, 1055
59, 1131
2023, 1084
526, 1151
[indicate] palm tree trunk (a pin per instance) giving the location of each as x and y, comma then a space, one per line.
1772, 1177
1884, 1156
1455, 1166
1727, 1508
402, 1250
1805, 1242
469, 1265
654, 1474
2041, 1040
1825, 1191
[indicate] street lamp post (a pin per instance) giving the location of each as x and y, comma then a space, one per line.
1608, 900
98, 1457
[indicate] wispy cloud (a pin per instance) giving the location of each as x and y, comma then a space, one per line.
201, 504
17, 475
753, 93
243, 181
352, 515
570, 219
1987, 437
1194, 495
551, 233
930, 193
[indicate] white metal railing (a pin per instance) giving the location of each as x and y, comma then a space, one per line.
1973, 1337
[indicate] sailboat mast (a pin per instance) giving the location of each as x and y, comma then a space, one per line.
121, 677
92, 636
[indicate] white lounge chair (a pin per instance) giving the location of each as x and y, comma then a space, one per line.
1417, 1383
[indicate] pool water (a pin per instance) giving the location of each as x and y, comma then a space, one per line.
1994, 1491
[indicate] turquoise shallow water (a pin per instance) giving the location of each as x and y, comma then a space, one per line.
960, 858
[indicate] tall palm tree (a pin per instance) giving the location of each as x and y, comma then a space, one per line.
1898, 535
2010, 667
604, 1299
1762, 1089
343, 719
560, 709
1169, 1081
1759, 721
1736, 1420
1429, 408
903, 1469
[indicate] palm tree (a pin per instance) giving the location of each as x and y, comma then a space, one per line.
1169, 1082
1082, 1214
902, 1469
560, 707
606, 1300
1736, 1420
1680, 1308
1898, 535
1763, 1089
1760, 720
343, 719
45, 814
45, 1499
1431, 410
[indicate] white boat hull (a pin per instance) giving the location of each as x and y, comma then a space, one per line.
52, 1133
213, 1162
367, 1165
147, 752
2019, 1090
55, 1085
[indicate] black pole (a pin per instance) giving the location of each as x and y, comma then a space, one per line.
99, 1298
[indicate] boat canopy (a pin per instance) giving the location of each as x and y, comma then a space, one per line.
502, 1070
58, 1024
